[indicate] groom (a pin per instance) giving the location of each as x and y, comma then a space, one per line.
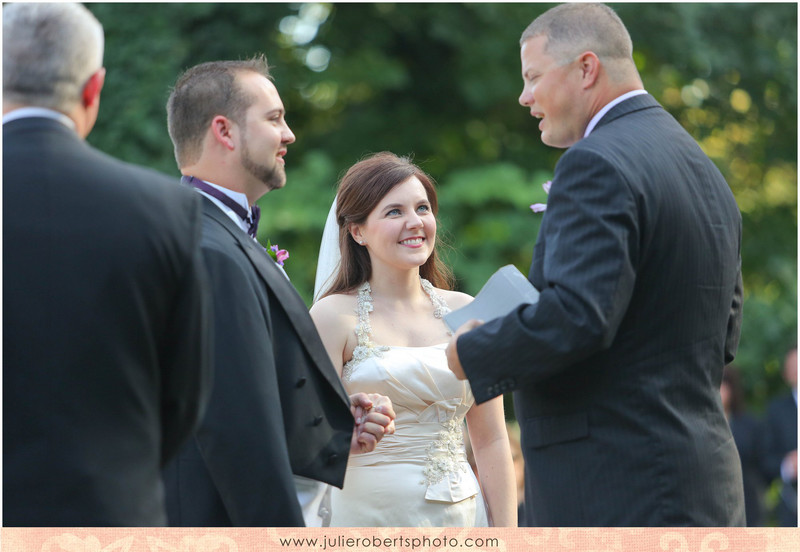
277, 406
616, 370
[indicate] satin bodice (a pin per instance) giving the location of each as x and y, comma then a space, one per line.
430, 404
429, 401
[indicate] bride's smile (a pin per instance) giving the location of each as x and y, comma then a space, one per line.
401, 229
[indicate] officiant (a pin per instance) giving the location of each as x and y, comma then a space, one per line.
616, 369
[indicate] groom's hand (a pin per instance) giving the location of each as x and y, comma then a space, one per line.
453, 361
374, 417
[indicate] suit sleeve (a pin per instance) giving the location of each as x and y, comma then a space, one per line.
734, 319
592, 244
242, 439
186, 352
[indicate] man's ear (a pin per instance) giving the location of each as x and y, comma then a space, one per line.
590, 68
91, 90
224, 131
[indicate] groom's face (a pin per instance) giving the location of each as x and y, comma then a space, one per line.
265, 134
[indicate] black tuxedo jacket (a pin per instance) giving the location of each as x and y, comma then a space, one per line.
617, 369
780, 437
106, 337
277, 406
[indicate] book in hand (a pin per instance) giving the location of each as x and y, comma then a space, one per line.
505, 290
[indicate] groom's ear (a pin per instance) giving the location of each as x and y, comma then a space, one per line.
223, 130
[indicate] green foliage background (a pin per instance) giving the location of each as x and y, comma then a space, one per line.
440, 82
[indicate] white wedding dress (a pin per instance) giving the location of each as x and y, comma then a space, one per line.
419, 476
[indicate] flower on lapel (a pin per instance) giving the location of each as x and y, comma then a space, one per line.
279, 255
542, 207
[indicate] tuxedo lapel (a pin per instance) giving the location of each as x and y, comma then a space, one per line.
286, 294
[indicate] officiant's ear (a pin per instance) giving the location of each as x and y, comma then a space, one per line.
590, 68
223, 130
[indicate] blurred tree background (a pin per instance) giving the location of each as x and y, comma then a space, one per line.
440, 82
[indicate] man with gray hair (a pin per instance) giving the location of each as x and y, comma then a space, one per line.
616, 369
106, 308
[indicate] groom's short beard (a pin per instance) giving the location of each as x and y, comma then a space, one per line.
273, 178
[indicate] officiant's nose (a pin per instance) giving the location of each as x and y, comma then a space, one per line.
526, 98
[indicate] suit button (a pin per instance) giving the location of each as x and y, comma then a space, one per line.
300, 383
332, 459
318, 420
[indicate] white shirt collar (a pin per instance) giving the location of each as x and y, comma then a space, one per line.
27, 112
241, 199
607, 108
238, 197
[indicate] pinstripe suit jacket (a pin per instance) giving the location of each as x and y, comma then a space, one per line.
616, 370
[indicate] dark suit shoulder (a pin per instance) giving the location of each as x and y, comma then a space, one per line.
219, 234
39, 149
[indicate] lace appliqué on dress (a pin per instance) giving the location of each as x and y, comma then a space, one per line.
365, 348
445, 455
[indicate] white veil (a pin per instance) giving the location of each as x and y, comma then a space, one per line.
329, 255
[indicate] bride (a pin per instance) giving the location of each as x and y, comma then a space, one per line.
380, 318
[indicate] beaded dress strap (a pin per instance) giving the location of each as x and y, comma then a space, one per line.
363, 328
365, 348
440, 307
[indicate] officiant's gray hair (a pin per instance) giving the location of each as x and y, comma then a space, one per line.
49, 53
201, 93
574, 28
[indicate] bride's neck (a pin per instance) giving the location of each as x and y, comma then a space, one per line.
400, 285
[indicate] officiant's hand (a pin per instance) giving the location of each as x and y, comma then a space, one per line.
452, 351
374, 417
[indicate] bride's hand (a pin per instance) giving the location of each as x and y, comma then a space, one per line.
374, 418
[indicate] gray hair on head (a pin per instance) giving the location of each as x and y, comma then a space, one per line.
574, 28
49, 52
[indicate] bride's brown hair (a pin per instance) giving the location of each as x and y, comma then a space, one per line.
360, 191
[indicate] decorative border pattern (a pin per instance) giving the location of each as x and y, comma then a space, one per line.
397, 540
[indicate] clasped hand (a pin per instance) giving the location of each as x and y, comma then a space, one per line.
374, 417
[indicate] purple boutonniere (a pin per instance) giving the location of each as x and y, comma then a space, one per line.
542, 207
279, 255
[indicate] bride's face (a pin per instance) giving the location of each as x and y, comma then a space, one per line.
401, 230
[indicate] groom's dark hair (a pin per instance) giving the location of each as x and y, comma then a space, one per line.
201, 93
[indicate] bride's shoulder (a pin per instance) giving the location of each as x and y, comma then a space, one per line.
338, 304
334, 316
454, 299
